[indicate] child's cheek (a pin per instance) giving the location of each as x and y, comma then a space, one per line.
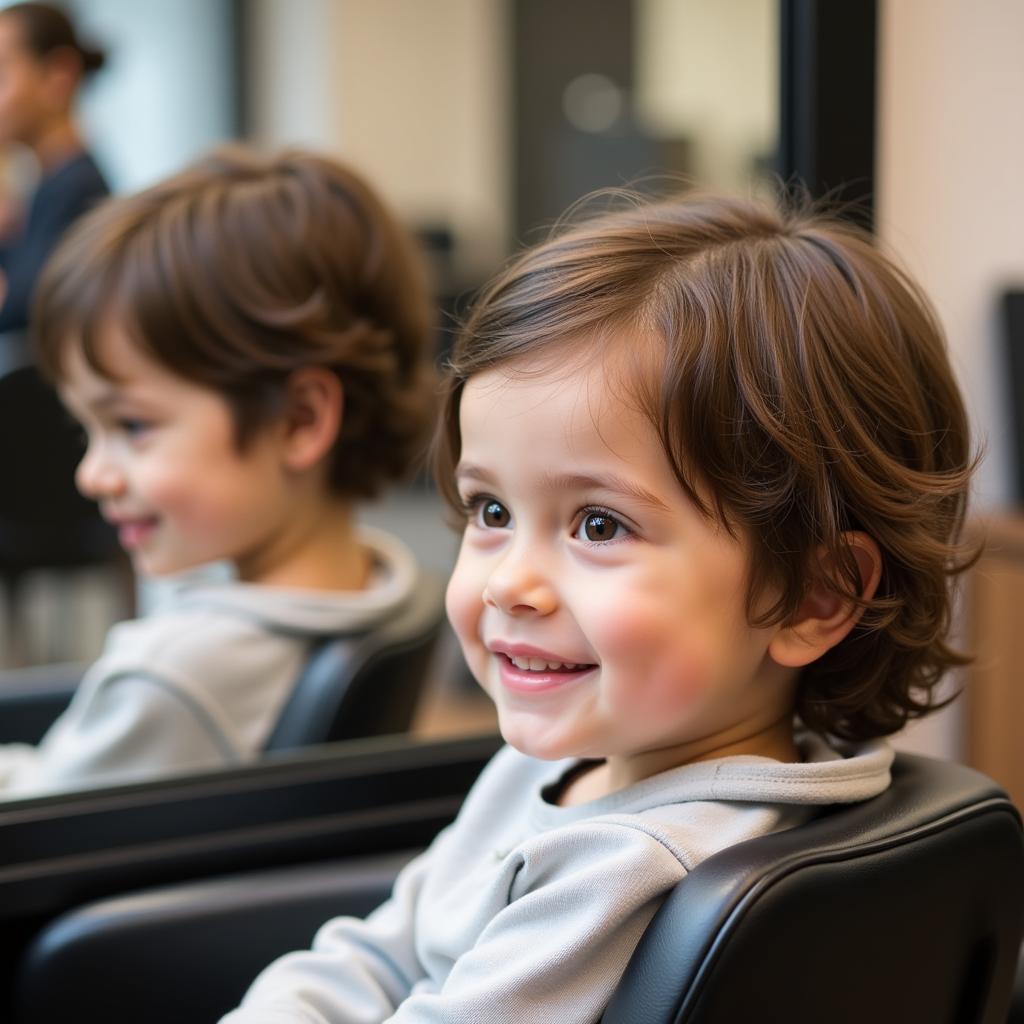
464, 605
656, 660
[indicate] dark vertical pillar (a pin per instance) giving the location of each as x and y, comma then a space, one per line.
1013, 324
240, 17
553, 41
827, 100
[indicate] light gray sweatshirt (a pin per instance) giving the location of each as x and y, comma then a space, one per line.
201, 681
524, 911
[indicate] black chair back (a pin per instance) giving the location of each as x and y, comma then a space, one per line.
65, 858
909, 907
905, 908
33, 698
368, 684
101, 960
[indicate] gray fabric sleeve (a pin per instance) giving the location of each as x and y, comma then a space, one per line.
358, 971
555, 952
132, 727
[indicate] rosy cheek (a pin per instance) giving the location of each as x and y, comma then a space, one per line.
658, 660
464, 606
678, 680
459, 606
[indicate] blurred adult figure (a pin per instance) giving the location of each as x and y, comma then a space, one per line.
42, 65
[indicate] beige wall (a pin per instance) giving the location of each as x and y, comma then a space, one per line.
414, 93
951, 183
951, 204
425, 104
708, 71
293, 90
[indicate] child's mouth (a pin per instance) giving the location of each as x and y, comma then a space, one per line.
542, 665
535, 675
133, 532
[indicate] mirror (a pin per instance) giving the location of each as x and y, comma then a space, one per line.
481, 121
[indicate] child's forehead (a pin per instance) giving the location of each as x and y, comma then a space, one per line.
606, 370
583, 405
109, 356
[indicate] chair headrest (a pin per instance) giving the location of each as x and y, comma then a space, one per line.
855, 851
364, 684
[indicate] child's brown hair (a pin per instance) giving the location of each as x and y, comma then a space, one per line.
243, 268
804, 391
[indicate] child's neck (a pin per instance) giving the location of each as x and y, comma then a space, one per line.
316, 551
774, 740
56, 142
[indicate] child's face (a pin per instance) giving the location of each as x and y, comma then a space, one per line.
163, 465
602, 613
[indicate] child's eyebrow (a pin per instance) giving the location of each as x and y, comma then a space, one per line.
100, 403
575, 482
468, 469
605, 482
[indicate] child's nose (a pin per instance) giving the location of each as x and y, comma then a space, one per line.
520, 587
97, 475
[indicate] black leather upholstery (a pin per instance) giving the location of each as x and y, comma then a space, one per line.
199, 945
367, 684
353, 800
31, 699
906, 908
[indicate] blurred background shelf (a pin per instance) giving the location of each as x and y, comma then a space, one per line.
995, 680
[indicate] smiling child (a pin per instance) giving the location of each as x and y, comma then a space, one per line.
246, 346
712, 464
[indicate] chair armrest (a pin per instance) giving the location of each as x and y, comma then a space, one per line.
222, 931
31, 699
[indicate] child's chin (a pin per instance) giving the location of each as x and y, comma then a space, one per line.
550, 749
153, 565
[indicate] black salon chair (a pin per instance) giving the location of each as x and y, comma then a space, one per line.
365, 684
906, 908
364, 801
32, 698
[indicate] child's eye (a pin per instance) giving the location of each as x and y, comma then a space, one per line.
598, 525
488, 512
133, 427
493, 515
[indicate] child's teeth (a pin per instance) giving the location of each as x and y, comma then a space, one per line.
539, 664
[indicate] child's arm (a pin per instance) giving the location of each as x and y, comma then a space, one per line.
126, 728
554, 948
358, 971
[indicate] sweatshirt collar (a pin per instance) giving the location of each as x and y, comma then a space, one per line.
843, 773
394, 575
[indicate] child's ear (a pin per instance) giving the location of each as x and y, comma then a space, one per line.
312, 418
824, 618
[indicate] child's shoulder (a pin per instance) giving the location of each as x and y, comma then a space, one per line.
196, 646
692, 811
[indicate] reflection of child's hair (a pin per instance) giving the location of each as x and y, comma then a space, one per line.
242, 269
47, 29
801, 389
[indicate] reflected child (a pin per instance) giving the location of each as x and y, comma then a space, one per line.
246, 348
712, 465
